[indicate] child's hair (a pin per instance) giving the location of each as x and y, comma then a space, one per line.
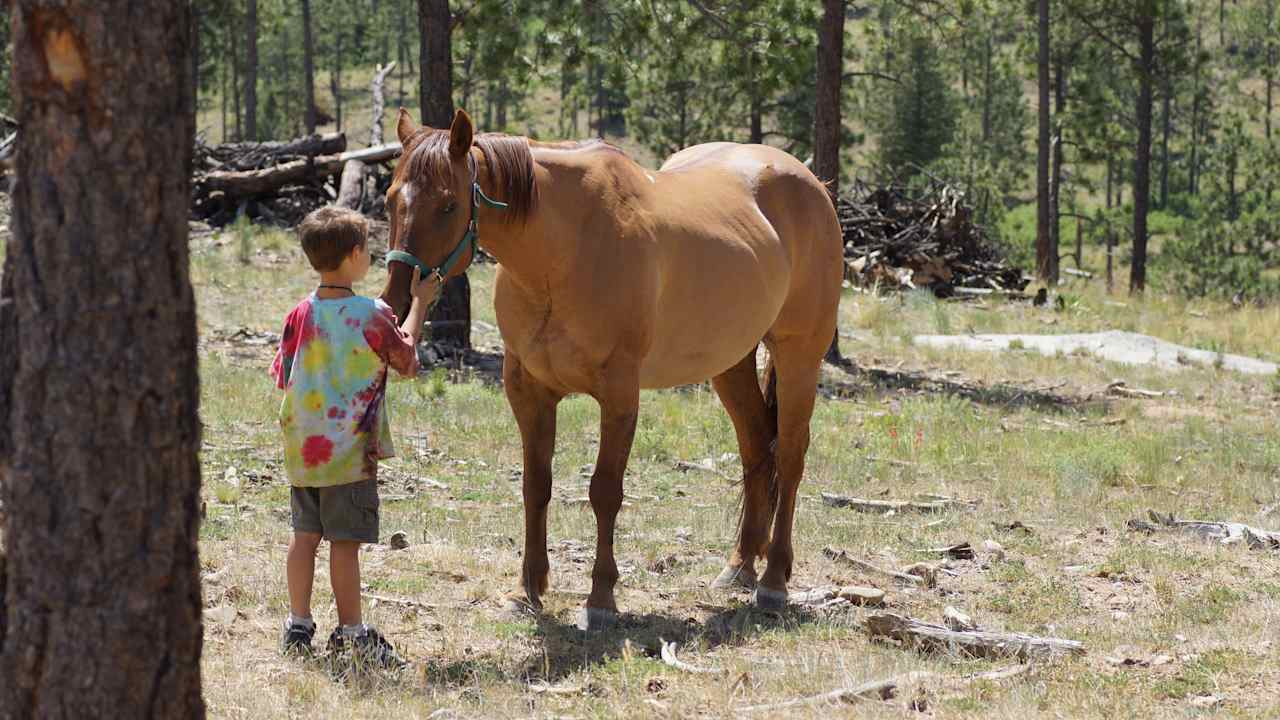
329, 235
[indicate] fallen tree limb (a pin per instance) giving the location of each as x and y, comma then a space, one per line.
1227, 533
845, 557
897, 506
977, 643
242, 156
269, 180
885, 689
375, 88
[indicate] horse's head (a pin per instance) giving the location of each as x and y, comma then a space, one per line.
431, 204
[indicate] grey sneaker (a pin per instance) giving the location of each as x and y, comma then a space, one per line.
297, 638
367, 648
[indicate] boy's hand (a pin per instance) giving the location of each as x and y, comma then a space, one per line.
425, 290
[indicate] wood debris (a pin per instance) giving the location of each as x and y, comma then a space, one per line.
907, 579
896, 240
1121, 389
1227, 533
668, 652
978, 643
886, 689
895, 506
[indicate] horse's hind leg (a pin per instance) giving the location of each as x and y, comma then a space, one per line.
739, 392
534, 406
798, 363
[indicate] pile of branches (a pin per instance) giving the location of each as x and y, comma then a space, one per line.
280, 182
896, 240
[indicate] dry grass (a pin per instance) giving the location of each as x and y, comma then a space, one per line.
1209, 451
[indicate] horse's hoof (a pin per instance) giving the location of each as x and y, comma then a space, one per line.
769, 599
593, 619
734, 577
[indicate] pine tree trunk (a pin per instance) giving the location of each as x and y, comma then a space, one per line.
826, 132
1166, 112
451, 317
1142, 158
308, 68
98, 383
251, 73
1043, 240
335, 80
235, 83
435, 63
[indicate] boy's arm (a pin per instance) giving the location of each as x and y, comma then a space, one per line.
398, 346
424, 293
282, 366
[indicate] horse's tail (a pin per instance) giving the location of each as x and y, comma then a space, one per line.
769, 391
769, 387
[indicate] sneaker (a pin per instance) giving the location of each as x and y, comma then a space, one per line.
297, 638
368, 648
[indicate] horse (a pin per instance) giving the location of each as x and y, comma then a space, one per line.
611, 279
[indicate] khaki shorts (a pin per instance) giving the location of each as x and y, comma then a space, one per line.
342, 512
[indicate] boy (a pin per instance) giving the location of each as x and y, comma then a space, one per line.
332, 364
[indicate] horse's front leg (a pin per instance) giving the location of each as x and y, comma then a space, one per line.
619, 406
534, 406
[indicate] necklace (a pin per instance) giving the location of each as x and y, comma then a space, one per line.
337, 287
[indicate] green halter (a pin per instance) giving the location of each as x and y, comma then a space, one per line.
470, 239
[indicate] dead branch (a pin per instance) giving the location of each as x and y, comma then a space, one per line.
894, 506
1227, 533
977, 643
904, 578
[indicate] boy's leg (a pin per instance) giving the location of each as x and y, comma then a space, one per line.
301, 568
344, 574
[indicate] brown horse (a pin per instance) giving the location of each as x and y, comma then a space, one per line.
612, 279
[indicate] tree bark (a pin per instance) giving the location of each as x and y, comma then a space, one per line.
1044, 249
351, 187
251, 72
379, 103
1142, 157
235, 84
98, 384
451, 317
1166, 120
826, 131
308, 68
435, 65
335, 81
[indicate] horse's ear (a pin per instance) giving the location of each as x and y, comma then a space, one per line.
405, 126
461, 133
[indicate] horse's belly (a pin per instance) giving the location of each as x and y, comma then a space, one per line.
710, 329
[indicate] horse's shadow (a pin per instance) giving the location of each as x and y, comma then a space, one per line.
565, 649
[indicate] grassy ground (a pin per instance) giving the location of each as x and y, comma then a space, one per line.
1073, 471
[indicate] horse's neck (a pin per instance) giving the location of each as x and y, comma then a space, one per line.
530, 251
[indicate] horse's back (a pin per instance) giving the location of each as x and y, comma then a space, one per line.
746, 237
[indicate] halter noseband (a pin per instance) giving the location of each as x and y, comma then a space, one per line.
470, 239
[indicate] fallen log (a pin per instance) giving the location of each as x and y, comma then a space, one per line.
268, 180
894, 506
978, 643
1227, 533
242, 156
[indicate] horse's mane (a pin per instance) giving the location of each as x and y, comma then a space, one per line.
508, 166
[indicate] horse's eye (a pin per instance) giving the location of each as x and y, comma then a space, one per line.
450, 208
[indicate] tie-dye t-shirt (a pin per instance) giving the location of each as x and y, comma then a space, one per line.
332, 365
